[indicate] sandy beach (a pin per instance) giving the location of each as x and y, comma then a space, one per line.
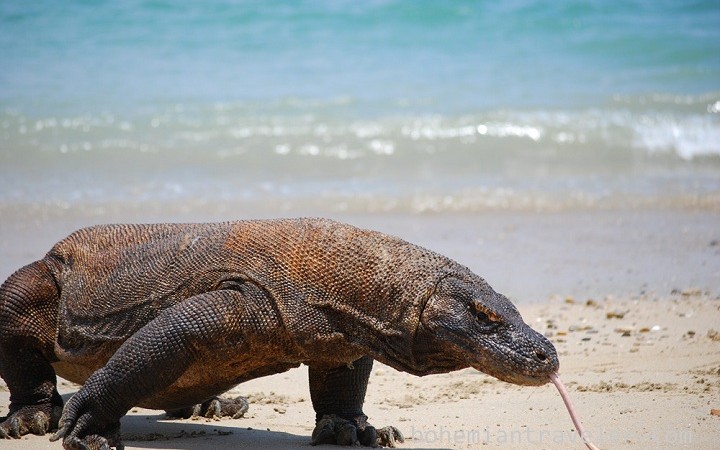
629, 298
566, 152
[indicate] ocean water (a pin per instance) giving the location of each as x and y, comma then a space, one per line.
401, 106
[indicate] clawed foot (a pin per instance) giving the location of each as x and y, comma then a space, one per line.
35, 419
84, 427
109, 439
214, 408
332, 429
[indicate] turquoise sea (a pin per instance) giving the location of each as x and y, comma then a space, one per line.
401, 106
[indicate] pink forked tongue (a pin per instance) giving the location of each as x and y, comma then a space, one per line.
573, 415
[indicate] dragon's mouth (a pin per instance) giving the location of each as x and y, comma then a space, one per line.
520, 379
532, 368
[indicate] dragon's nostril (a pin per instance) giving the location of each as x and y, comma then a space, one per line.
541, 355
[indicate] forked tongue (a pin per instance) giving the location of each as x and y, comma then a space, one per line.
573, 415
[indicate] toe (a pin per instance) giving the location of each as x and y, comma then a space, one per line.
389, 437
346, 434
324, 432
234, 407
368, 437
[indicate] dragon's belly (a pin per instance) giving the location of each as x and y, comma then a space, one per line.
73, 372
216, 369
206, 379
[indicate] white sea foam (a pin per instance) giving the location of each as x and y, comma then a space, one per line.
543, 159
687, 137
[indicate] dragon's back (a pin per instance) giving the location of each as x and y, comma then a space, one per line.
115, 278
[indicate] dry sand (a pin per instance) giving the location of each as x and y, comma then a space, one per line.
630, 299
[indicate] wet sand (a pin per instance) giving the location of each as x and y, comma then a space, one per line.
631, 300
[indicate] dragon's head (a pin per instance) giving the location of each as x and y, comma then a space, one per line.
465, 323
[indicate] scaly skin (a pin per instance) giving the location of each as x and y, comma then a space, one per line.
170, 315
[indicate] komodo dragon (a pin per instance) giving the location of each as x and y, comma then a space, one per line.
167, 316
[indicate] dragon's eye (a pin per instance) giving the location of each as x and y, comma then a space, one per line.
484, 316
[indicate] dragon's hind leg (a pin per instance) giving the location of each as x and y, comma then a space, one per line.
28, 311
214, 408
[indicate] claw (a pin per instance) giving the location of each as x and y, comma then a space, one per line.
39, 424
389, 437
214, 409
10, 428
15, 428
346, 434
15, 424
324, 432
96, 442
61, 432
368, 437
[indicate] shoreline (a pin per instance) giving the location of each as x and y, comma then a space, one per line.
529, 256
